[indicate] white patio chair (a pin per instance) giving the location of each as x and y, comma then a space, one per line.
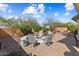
24, 41
40, 33
48, 39
32, 39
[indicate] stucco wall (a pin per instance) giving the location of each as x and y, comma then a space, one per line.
60, 29
9, 43
5, 31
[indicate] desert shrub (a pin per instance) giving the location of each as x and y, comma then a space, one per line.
72, 27
45, 30
59, 24
52, 23
37, 28
26, 26
25, 29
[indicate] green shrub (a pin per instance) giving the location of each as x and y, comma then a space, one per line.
27, 25
45, 30
37, 28
25, 29
72, 27
59, 24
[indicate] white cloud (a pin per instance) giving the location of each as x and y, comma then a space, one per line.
63, 19
67, 13
41, 7
37, 16
9, 10
34, 5
16, 17
35, 10
8, 17
56, 14
30, 10
3, 7
69, 6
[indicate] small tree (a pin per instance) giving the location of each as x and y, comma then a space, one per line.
26, 25
48, 22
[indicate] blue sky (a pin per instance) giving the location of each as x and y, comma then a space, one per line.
59, 11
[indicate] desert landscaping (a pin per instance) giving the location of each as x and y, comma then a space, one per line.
39, 32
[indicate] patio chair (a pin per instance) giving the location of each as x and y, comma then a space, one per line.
50, 33
40, 33
24, 41
48, 40
32, 40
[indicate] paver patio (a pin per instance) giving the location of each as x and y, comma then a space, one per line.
62, 46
